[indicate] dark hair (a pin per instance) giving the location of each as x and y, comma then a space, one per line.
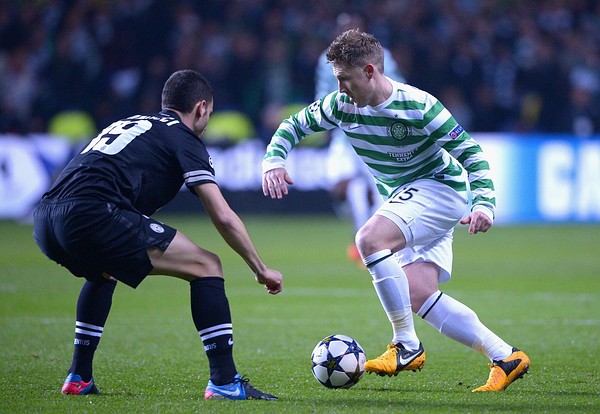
184, 89
354, 48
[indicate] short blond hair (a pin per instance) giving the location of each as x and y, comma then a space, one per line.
355, 48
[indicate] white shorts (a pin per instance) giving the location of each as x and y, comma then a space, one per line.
426, 211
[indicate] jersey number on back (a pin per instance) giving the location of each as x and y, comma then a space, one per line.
117, 135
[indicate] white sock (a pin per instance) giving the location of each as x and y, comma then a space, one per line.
391, 286
457, 321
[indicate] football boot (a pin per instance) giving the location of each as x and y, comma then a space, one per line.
74, 385
504, 372
395, 359
239, 389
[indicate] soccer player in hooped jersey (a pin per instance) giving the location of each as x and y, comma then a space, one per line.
350, 182
95, 221
424, 165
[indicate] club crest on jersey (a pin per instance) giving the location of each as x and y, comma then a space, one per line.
157, 228
456, 131
398, 130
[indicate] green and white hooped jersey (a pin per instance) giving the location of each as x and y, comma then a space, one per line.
408, 137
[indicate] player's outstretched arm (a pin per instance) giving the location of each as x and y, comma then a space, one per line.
234, 232
275, 182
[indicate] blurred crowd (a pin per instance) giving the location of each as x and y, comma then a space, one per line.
498, 65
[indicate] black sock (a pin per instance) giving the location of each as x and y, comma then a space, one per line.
212, 317
93, 307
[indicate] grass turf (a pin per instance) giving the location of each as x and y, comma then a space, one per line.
535, 286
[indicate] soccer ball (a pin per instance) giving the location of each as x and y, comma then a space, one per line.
338, 361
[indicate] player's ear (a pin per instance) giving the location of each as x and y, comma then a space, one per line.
369, 70
200, 108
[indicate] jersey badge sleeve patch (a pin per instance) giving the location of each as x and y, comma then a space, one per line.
456, 132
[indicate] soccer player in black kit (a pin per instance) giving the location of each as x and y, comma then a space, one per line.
95, 221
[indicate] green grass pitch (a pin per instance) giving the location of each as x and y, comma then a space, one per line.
538, 287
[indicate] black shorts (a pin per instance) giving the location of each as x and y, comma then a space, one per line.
92, 237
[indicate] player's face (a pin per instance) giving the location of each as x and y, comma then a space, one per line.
206, 110
354, 82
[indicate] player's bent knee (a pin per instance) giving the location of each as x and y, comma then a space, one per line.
185, 260
366, 242
199, 263
379, 233
209, 264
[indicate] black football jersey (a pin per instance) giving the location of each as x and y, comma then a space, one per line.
139, 162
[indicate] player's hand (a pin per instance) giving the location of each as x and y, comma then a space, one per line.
272, 280
478, 222
275, 182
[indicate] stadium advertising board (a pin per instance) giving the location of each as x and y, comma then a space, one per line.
538, 178
541, 179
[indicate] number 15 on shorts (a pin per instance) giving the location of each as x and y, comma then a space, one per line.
404, 195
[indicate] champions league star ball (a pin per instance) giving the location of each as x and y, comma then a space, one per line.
338, 361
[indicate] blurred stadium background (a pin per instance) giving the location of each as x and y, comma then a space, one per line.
522, 76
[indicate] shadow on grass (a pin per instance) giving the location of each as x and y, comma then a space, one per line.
457, 398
